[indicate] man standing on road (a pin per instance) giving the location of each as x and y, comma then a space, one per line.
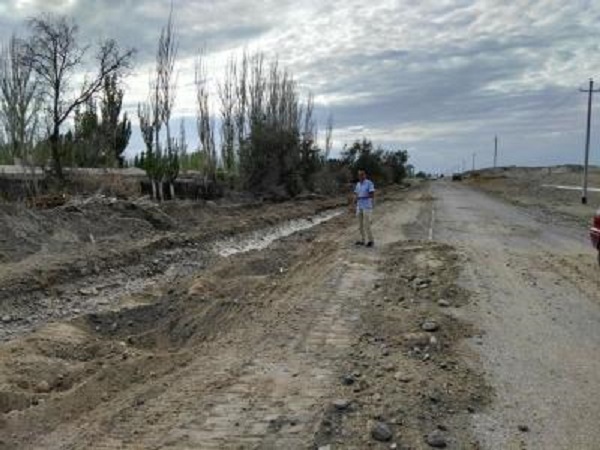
364, 195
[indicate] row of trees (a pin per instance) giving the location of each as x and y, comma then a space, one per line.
268, 136
39, 95
383, 166
267, 132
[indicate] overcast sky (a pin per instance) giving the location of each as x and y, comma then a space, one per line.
436, 77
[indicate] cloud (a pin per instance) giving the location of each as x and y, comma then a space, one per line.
438, 77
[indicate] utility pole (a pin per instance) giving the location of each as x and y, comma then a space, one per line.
590, 92
495, 151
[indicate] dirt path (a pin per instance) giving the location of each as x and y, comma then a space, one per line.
537, 300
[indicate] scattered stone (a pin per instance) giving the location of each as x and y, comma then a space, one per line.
437, 439
393, 446
6, 319
348, 380
430, 326
88, 291
523, 428
325, 447
42, 387
362, 385
434, 397
389, 367
341, 404
416, 339
381, 432
444, 303
404, 378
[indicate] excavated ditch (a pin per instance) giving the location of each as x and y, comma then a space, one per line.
138, 283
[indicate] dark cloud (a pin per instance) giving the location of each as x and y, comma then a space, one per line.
438, 78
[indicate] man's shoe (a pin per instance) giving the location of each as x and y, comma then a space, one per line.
370, 244
359, 243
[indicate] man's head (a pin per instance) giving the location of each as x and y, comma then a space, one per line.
362, 175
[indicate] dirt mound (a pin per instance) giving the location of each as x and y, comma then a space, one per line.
26, 231
67, 369
405, 370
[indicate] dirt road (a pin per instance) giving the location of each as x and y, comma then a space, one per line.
253, 349
314, 343
536, 298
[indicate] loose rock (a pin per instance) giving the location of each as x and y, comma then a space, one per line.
341, 404
523, 428
88, 291
348, 380
444, 303
381, 432
437, 439
419, 339
42, 387
6, 319
430, 325
404, 378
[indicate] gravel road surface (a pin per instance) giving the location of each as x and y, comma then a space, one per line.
537, 304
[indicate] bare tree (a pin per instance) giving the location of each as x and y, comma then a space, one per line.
161, 162
177, 150
19, 99
165, 89
204, 122
146, 119
241, 103
328, 136
228, 99
54, 54
165, 71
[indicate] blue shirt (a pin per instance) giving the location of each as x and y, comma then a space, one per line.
362, 191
